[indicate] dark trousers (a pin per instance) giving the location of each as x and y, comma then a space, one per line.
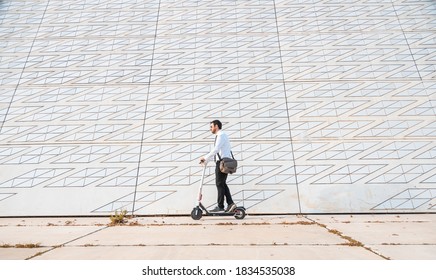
221, 185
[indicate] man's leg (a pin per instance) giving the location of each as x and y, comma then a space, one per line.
227, 193
220, 180
223, 190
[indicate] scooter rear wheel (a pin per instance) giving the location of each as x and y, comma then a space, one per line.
239, 213
196, 213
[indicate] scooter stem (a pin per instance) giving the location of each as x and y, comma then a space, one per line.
200, 190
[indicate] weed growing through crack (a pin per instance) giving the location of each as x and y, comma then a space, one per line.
118, 218
21, 246
256, 224
135, 223
28, 245
303, 223
68, 223
227, 224
351, 241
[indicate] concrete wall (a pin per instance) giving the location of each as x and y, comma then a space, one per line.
105, 105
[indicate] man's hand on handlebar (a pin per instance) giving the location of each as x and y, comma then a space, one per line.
202, 161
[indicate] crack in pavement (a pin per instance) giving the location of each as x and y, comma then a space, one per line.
65, 243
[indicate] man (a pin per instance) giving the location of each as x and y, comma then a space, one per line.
223, 148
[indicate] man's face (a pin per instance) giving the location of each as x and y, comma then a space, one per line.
213, 128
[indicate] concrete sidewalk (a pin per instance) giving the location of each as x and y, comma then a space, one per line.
290, 237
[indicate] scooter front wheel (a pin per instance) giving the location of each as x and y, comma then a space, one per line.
196, 213
239, 213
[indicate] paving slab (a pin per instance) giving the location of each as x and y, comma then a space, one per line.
401, 218
150, 220
395, 233
249, 219
406, 252
226, 252
384, 232
43, 235
211, 234
20, 253
55, 221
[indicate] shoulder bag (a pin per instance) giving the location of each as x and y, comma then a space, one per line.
228, 165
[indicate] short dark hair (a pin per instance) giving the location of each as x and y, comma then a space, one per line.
218, 123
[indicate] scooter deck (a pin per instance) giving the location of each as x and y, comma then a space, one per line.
200, 211
208, 213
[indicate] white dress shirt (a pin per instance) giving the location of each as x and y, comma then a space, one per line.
222, 146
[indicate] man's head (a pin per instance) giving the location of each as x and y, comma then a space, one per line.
215, 126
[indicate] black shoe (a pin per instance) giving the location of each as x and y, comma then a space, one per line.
231, 208
217, 209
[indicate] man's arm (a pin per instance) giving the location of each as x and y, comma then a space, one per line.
215, 150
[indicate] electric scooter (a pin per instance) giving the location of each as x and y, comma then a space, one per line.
200, 211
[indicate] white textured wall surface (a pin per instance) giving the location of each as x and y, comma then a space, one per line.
105, 105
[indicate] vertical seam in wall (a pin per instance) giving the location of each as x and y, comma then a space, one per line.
287, 109
145, 110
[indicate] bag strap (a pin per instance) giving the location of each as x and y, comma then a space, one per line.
219, 153
230, 153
